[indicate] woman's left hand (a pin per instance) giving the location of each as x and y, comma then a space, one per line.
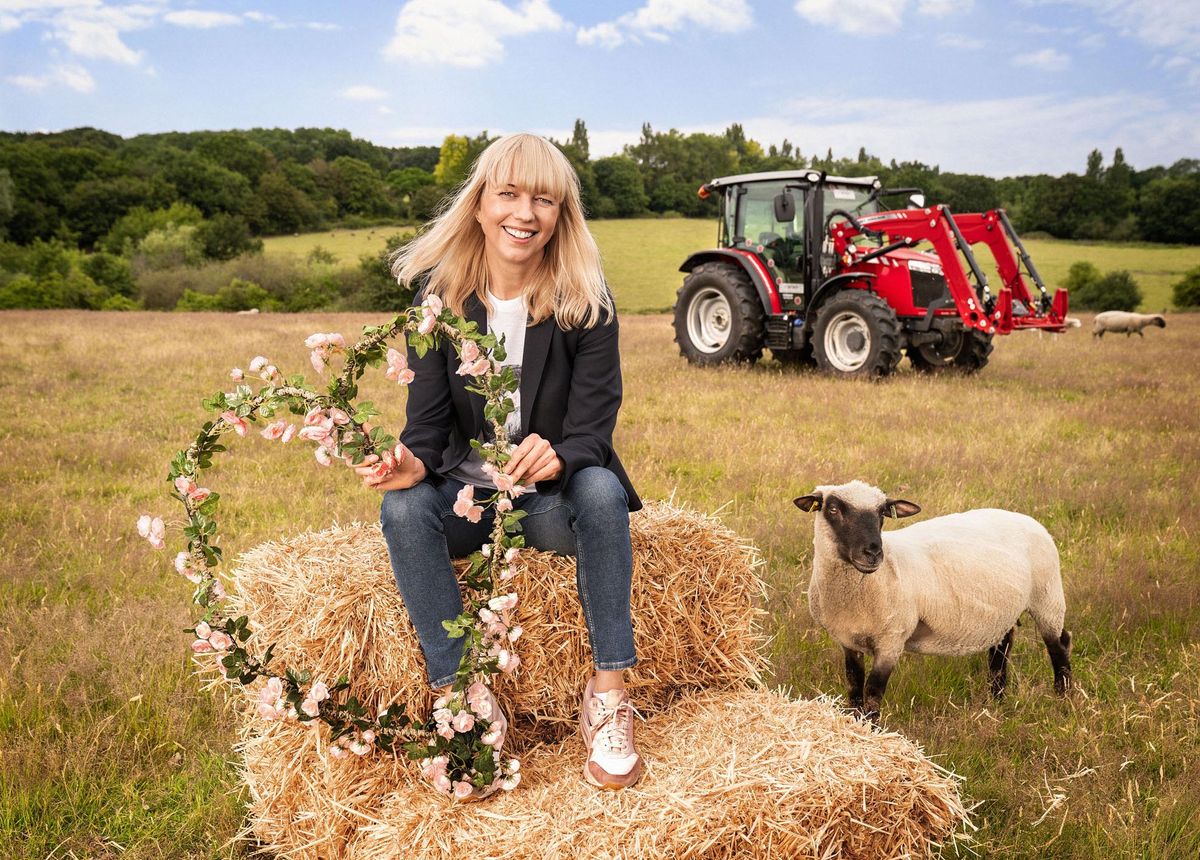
534, 460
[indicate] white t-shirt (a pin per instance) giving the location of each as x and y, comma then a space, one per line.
506, 318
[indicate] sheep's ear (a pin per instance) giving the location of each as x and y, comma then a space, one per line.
899, 508
809, 503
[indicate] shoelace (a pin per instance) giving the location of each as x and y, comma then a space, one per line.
614, 727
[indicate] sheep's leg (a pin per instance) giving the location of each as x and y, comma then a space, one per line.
1059, 648
998, 664
855, 676
877, 681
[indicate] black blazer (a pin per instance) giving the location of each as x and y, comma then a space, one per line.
570, 394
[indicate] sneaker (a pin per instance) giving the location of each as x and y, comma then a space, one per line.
606, 724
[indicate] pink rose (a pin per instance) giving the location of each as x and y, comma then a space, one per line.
336, 340
235, 421
314, 433
184, 485
338, 416
317, 359
511, 553
158, 531
314, 417
203, 631
289, 433
338, 751
236, 374
270, 372
271, 692
442, 783
274, 430
486, 615
360, 747
478, 368
507, 573
443, 715
463, 722
258, 363
504, 505
502, 603
406, 377
511, 782
201, 646
507, 661
218, 590
469, 351
315, 341
446, 731
220, 640
318, 692
464, 500
504, 482
427, 325
492, 737
432, 305
368, 737
310, 707
322, 455
514, 633
199, 494
463, 789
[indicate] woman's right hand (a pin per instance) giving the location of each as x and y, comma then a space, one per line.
409, 471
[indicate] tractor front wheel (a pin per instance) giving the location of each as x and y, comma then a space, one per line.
856, 334
963, 351
718, 316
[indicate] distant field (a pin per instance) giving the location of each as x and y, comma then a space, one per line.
642, 257
110, 747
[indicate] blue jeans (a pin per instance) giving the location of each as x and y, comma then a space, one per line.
589, 519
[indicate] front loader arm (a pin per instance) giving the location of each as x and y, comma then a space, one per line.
935, 225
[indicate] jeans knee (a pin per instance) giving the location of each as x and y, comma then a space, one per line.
596, 490
402, 510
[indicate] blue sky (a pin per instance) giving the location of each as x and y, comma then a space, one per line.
983, 86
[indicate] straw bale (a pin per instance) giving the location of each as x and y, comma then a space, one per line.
735, 773
330, 603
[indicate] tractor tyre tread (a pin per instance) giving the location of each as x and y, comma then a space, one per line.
873, 309
745, 344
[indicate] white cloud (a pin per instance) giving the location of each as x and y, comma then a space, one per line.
1047, 59
260, 17
657, 19
465, 33
959, 42
384, 110
364, 93
200, 20
1162, 24
942, 8
73, 77
860, 17
9, 22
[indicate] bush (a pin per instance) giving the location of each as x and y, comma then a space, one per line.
237, 295
110, 271
24, 292
120, 303
224, 237
1186, 293
168, 247
319, 254
1081, 276
1116, 291
380, 289
139, 222
194, 301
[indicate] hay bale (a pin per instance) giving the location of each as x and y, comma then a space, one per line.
329, 600
731, 771
746, 774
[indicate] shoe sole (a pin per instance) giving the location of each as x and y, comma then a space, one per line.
634, 775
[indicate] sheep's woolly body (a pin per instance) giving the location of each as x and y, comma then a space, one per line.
950, 585
1125, 321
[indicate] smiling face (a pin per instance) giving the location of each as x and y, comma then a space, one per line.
517, 223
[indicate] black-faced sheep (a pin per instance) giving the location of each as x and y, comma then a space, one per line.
951, 585
1125, 321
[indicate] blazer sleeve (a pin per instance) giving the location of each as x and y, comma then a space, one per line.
429, 410
592, 403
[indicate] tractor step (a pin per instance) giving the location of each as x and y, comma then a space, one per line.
779, 332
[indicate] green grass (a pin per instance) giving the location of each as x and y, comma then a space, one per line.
109, 747
642, 257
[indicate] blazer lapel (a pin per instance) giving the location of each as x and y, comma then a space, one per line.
537, 345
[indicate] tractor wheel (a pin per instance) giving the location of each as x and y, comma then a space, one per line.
718, 316
856, 334
961, 351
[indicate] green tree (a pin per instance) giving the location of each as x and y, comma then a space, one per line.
224, 237
579, 140
1082, 276
138, 222
358, 188
619, 181
381, 291
235, 151
1169, 210
109, 271
6, 200
285, 209
1185, 293
452, 164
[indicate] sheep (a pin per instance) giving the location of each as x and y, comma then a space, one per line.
1125, 321
951, 585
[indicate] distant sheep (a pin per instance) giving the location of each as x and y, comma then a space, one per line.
1125, 321
950, 585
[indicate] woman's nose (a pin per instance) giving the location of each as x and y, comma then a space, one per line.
524, 208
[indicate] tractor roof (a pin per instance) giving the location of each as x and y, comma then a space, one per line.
777, 175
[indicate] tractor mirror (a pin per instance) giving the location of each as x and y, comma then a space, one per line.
785, 207
916, 201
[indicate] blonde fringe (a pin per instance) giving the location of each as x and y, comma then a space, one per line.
569, 283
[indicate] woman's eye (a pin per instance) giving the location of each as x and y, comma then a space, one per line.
508, 194
546, 201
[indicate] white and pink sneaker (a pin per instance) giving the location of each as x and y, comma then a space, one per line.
606, 724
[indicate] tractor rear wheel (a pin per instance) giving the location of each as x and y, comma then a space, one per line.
962, 351
856, 334
718, 316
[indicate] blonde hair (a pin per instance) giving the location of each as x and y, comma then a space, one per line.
569, 282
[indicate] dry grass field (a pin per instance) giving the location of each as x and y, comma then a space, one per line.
110, 748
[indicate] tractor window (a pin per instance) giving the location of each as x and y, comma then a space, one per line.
848, 198
756, 216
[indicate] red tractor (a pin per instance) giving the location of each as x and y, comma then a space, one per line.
811, 267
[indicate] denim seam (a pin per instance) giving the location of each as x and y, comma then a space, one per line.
613, 667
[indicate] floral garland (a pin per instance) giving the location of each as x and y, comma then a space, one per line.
460, 742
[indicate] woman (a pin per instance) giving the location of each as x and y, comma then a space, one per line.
511, 251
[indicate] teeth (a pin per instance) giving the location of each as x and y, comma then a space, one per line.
519, 234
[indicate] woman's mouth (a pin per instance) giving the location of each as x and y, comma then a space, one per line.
519, 235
